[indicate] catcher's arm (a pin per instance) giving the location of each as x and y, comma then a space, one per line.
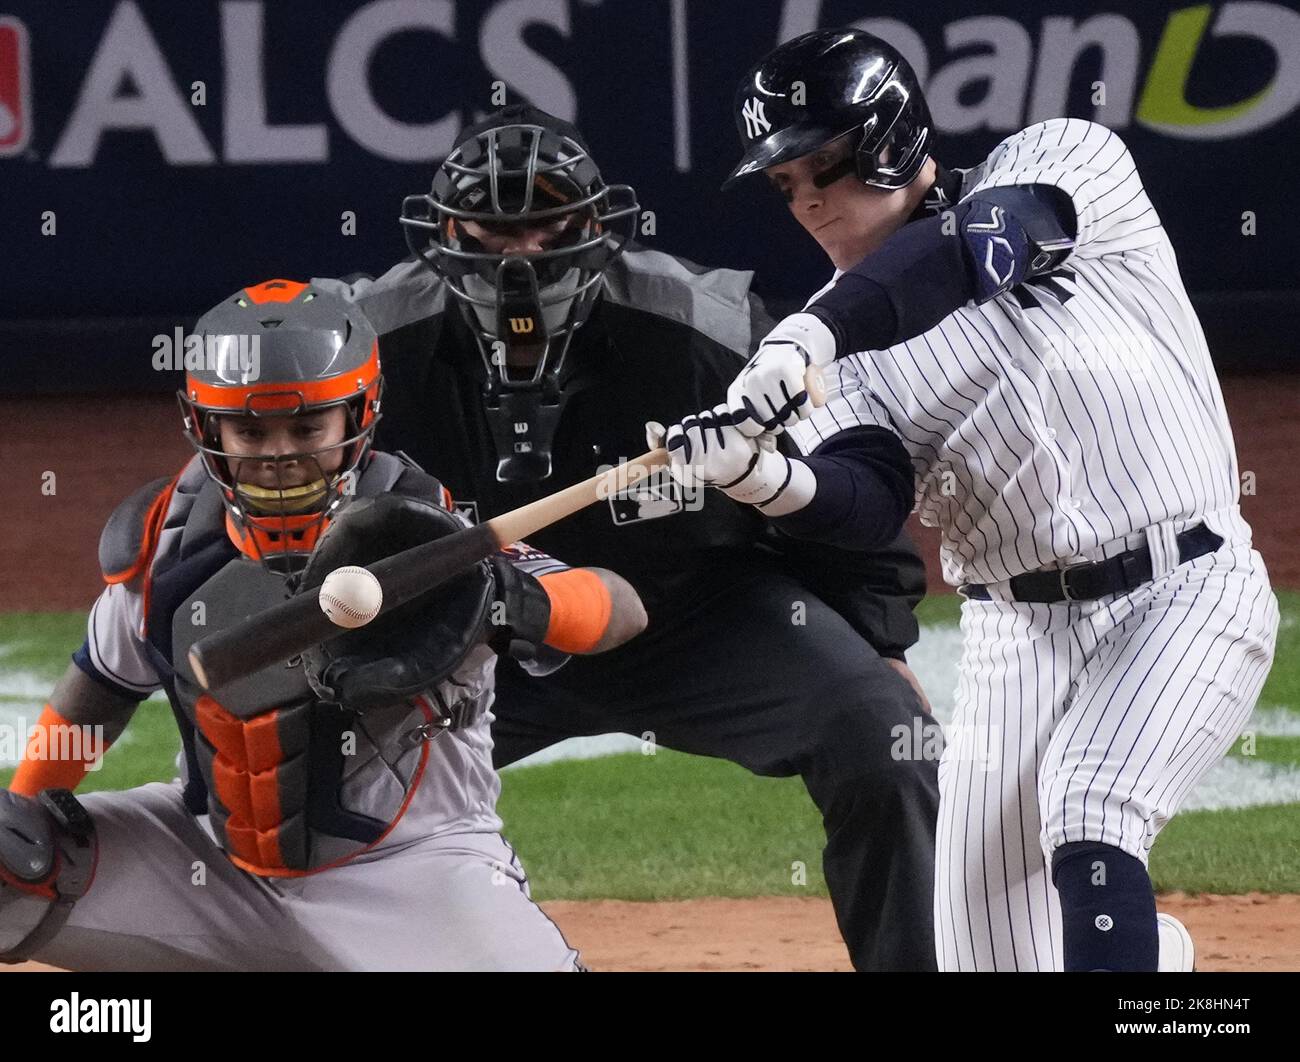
55, 757
592, 610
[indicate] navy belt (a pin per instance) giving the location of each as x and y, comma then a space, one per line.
1087, 582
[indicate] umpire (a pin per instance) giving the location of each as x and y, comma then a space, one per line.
526, 344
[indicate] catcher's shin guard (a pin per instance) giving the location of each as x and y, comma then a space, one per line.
47, 851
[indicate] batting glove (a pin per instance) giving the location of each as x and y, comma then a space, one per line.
770, 394
709, 449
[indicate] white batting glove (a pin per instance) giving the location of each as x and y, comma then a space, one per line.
708, 449
769, 394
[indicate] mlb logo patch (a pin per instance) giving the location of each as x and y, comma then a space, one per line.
648, 499
15, 87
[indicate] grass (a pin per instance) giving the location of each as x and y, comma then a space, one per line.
676, 826
1283, 686
1281, 750
658, 827
944, 610
40, 641
1249, 850
671, 826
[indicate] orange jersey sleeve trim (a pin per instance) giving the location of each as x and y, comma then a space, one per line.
580, 610
59, 754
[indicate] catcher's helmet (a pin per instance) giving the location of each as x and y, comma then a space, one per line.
521, 168
822, 85
282, 348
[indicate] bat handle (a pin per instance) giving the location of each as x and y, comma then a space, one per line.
815, 385
519, 524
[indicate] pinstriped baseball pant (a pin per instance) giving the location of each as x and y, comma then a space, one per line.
1086, 721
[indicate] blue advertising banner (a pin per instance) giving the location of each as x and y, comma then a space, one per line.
156, 156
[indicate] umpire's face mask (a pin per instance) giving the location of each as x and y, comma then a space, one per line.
526, 300
520, 226
521, 321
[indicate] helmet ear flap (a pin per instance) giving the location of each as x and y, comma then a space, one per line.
893, 159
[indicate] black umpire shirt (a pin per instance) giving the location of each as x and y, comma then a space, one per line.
664, 340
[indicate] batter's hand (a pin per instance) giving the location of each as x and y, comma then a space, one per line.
708, 449
770, 393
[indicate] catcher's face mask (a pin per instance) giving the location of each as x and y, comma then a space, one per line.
314, 354
520, 226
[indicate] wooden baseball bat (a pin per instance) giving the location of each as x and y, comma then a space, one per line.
287, 629
293, 626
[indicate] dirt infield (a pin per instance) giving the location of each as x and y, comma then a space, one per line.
101, 449
777, 933
1252, 932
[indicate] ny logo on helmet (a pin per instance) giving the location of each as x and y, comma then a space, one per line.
756, 122
521, 325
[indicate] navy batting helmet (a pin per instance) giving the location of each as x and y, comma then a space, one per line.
823, 85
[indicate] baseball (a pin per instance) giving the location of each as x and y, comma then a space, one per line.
351, 596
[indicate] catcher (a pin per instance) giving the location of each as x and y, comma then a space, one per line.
333, 813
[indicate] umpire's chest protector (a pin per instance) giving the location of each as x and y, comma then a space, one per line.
293, 785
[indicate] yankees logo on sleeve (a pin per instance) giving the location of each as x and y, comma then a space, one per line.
1068, 411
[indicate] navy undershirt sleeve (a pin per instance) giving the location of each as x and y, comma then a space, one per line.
916, 279
928, 268
864, 491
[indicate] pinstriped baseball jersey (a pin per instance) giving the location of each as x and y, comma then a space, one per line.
1068, 413
1072, 418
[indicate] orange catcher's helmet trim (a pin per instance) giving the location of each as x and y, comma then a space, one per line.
281, 396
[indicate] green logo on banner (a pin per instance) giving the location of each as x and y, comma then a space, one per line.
1164, 105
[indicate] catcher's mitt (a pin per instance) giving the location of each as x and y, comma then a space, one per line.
414, 646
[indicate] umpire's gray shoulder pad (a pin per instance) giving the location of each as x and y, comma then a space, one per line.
406, 293
712, 301
128, 537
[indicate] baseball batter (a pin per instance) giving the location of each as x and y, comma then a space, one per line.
335, 812
1013, 342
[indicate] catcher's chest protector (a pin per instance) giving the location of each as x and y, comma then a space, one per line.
295, 785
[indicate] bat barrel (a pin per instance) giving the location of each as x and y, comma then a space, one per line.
283, 631
290, 628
